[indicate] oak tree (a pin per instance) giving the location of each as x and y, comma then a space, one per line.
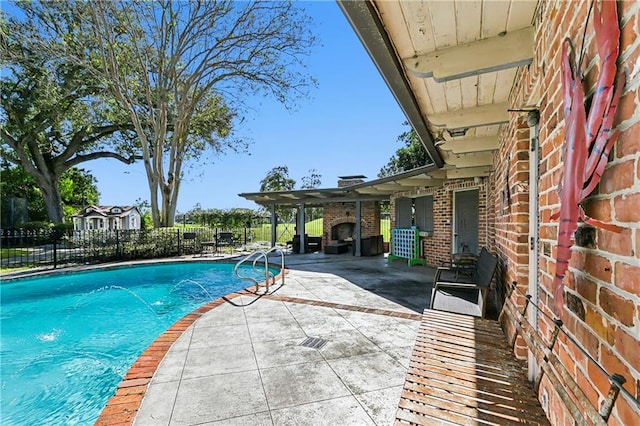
53, 113
189, 68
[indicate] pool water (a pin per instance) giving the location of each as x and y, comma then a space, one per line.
66, 341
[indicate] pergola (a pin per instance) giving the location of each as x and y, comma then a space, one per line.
374, 190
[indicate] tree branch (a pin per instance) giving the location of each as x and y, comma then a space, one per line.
102, 154
78, 140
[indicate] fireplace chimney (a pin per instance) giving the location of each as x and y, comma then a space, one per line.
344, 181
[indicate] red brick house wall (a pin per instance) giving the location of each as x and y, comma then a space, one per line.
510, 206
437, 247
602, 309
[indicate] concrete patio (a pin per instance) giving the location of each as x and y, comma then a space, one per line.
242, 363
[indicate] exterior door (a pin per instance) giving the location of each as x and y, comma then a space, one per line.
465, 221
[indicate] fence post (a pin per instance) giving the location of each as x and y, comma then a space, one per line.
178, 233
117, 245
55, 236
55, 254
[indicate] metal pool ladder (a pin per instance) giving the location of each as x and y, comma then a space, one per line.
256, 256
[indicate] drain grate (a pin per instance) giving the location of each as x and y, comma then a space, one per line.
313, 342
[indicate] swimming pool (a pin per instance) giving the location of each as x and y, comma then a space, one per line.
67, 340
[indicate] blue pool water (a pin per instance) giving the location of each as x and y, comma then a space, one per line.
67, 340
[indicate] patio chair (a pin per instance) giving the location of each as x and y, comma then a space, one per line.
190, 241
464, 293
225, 239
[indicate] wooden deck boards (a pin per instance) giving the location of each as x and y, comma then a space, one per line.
463, 372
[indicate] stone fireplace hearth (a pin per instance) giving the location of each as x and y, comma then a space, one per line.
343, 231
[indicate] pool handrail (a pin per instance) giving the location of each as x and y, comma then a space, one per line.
275, 249
259, 254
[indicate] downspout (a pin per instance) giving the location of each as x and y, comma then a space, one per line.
532, 120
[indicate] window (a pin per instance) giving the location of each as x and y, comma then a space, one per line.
404, 212
424, 213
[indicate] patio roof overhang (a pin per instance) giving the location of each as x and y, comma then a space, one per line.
451, 67
374, 190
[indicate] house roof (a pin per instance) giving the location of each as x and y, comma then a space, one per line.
374, 190
451, 67
106, 211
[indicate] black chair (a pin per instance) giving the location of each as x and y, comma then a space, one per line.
311, 244
370, 246
451, 284
191, 241
225, 239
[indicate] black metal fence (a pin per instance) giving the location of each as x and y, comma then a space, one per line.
43, 247
52, 248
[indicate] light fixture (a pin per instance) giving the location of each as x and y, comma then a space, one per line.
455, 133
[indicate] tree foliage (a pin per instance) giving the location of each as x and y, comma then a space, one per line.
410, 156
224, 219
189, 68
277, 179
53, 113
144, 208
313, 180
77, 189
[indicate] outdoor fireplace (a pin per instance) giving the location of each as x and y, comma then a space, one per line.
343, 231
339, 218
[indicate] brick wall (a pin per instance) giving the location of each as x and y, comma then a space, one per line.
437, 247
602, 284
336, 213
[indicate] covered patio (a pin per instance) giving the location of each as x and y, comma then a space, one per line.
481, 84
354, 201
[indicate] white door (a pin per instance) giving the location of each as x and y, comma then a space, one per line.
465, 221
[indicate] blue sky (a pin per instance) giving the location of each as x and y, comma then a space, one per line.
348, 126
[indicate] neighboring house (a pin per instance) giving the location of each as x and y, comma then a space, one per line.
107, 217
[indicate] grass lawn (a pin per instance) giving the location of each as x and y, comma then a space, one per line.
313, 228
16, 269
8, 253
5, 252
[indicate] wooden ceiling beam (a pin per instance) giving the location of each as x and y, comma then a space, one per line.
370, 191
390, 186
484, 115
317, 194
468, 172
509, 50
415, 182
463, 146
468, 160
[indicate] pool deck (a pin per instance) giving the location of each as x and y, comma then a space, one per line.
242, 361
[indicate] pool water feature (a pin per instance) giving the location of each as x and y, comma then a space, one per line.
66, 341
